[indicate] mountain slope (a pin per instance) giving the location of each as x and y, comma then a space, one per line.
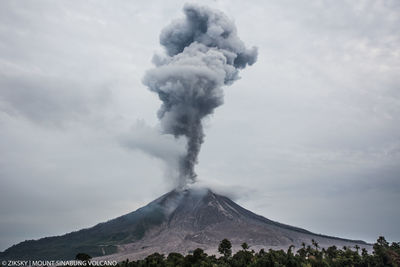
179, 221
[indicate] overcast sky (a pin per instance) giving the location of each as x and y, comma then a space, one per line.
309, 136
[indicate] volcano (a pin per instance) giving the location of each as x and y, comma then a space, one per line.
179, 221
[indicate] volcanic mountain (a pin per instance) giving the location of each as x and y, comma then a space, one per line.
179, 221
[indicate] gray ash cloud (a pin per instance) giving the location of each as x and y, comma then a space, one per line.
203, 53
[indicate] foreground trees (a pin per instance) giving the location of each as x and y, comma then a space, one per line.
384, 254
225, 248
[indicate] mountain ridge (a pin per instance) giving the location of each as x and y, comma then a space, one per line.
178, 221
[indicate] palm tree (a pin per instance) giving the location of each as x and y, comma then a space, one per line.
315, 244
245, 246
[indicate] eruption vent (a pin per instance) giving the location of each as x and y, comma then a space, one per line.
203, 53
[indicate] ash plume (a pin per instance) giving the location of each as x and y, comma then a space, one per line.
203, 53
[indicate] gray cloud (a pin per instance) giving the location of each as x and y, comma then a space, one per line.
312, 129
49, 100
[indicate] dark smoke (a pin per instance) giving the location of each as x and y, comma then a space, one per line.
203, 53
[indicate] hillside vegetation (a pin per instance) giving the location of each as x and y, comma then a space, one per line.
384, 254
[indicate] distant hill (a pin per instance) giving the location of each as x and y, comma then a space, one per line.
179, 221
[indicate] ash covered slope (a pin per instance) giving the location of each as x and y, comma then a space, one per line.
200, 218
179, 221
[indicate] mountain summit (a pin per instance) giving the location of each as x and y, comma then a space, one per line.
179, 221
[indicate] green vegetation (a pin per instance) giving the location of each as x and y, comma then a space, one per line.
225, 248
307, 256
383, 255
82, 257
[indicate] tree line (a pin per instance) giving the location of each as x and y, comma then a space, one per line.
383, 254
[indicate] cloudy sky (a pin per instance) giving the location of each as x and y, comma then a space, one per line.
309, 136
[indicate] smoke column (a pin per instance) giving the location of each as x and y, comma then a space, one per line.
203, 53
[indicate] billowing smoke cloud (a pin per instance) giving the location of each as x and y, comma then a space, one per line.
203, 53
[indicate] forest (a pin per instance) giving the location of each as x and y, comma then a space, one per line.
383, 254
